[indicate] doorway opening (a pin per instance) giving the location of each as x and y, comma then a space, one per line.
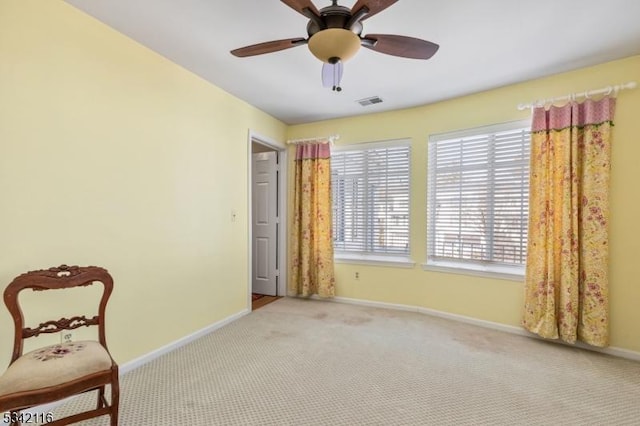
267, 219
260, 300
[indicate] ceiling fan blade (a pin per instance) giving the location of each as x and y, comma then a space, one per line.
406, 47
374, 7
268, 47
300, 6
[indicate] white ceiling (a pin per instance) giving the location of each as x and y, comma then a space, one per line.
483, 44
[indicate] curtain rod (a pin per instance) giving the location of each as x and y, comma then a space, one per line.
608, 90
331, 139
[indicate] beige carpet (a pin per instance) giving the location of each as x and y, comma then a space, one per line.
301, 362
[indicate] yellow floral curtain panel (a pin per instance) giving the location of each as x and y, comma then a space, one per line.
311, 262
566, 286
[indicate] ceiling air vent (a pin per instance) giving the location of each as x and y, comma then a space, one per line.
370, 101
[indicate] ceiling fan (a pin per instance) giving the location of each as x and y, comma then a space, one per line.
335, 35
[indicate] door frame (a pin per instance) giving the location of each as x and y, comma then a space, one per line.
281, 150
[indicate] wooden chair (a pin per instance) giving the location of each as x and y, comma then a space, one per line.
58, 371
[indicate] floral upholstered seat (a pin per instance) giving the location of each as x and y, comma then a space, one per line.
54, 365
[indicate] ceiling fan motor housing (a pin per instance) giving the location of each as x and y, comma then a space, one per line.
334, 16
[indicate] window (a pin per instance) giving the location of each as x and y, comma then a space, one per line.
370, 190
477, 200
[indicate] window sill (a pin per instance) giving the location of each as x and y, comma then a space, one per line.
500, 272
392, 261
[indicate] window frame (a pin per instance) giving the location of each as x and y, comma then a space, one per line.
378, 258
460, 266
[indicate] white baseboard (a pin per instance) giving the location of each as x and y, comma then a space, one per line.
144, 359
362, 302
611, 350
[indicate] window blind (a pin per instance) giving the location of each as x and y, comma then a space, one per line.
478, 196
370, 190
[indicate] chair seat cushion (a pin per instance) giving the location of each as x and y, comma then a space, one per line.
54, 365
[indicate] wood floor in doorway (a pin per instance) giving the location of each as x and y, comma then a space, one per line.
259, 300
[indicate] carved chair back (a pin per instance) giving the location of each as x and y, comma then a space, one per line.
54, 279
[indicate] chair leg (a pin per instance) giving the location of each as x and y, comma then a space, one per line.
100, 397
115, 398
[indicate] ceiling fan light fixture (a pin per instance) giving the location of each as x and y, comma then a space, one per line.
334, 43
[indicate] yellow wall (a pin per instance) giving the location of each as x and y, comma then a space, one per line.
493, 299
111, 155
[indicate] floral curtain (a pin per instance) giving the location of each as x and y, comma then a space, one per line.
566, 286
312, 241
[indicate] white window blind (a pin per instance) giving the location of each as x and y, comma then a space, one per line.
478, 197
370, 190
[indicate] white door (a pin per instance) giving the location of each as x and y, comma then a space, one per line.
265, 223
